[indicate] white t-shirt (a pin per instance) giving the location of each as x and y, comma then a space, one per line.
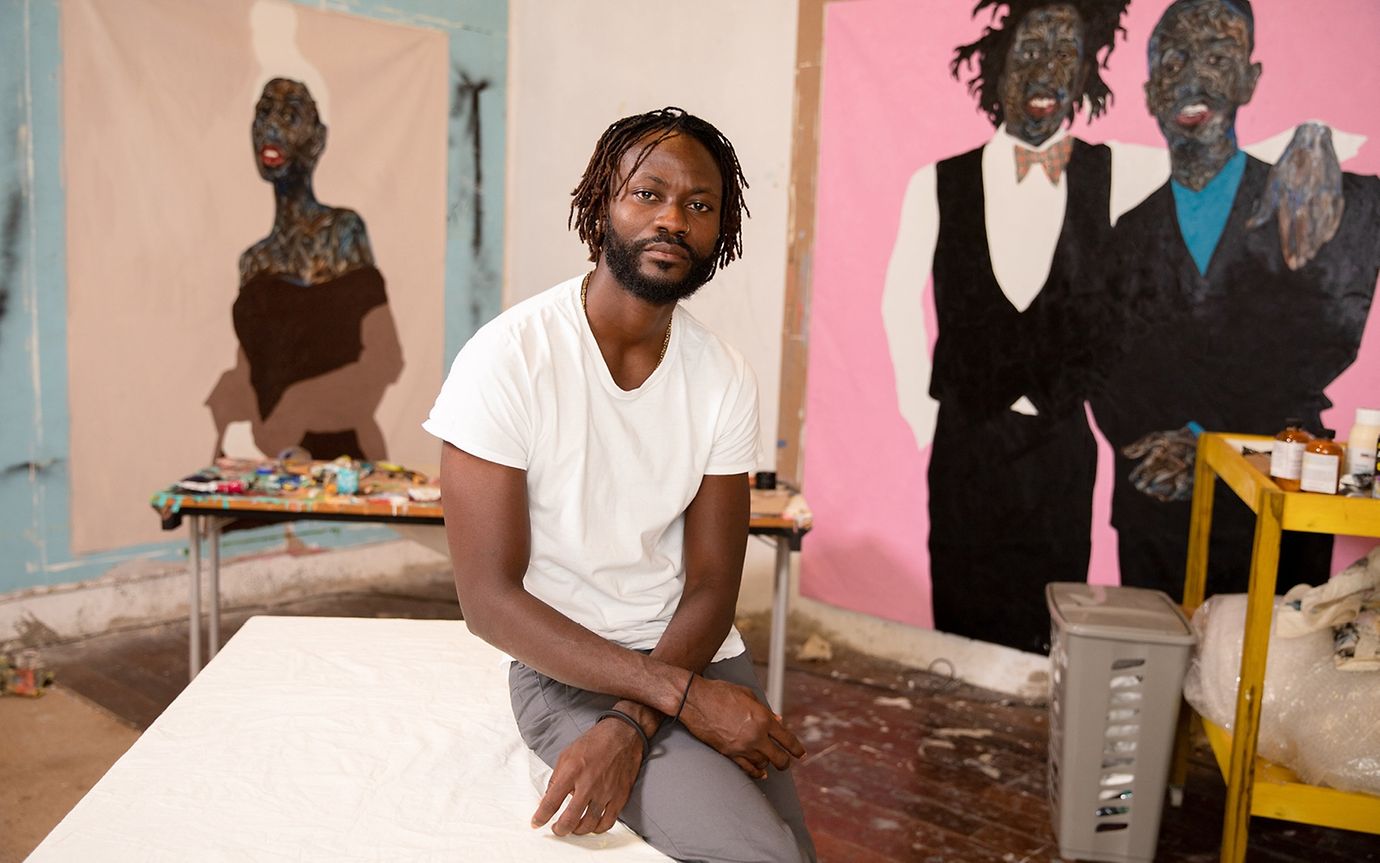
609, 472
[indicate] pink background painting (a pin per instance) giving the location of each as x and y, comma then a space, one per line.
889, 106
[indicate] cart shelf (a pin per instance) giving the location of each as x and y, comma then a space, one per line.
1256, 786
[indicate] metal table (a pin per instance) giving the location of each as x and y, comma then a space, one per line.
782, 515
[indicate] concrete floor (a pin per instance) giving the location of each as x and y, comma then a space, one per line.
52, 750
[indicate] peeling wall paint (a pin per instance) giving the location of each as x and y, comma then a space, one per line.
32, 359
10, 227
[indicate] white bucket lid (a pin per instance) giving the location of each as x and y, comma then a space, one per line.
1118, 613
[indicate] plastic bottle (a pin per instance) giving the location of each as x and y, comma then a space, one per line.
346, 477
1322, 463
1286, 456
30, 677
1360, 445
1375, 478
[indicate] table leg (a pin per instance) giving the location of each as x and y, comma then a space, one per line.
1255, 644
213, 525
776, 651
194, 599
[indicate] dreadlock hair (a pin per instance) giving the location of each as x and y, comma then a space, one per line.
600, 183
1101, 24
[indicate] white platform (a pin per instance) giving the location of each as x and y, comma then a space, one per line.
332, 739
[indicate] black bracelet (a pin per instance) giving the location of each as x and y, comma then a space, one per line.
637, 726
684, 696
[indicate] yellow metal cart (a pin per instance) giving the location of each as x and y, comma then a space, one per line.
1256, 786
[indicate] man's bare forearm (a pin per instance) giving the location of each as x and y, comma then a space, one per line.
715, 545
697, 629
547, 641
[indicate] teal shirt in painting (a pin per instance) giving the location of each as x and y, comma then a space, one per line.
1203, 214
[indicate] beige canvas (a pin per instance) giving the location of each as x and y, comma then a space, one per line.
163, 196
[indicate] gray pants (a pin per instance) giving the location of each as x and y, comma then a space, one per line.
690, 802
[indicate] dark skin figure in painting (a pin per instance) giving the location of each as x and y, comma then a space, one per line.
662, 225
310, 244
1201, 75
1045, 73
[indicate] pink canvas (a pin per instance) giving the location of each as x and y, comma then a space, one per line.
889, 106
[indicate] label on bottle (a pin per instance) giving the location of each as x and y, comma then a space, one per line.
1286, 459
1320, 472
1360, 459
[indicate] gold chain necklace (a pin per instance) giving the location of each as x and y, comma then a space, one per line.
665, 343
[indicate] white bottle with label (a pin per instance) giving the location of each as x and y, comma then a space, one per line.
1360, 444
1322, 463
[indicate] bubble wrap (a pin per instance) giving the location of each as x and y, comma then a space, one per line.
1315, 720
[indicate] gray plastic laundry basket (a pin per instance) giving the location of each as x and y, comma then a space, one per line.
1117, 657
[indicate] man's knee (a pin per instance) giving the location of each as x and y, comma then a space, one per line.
765, 839
784, 846
694, 804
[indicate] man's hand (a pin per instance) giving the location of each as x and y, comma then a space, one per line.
1166, 458
1305, 189
729, 718
597, 773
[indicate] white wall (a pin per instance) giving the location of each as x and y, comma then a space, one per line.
576, 66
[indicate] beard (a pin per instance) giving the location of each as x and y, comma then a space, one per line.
623, 258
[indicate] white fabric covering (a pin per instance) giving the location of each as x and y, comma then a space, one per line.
332, 739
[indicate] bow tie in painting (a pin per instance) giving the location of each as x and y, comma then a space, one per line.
1053, 160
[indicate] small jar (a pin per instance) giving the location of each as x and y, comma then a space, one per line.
1286, 456
1322, 463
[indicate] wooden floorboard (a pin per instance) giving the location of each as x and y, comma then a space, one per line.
904, 766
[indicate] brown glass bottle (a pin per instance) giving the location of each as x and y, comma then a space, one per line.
1286, 457
1322, 463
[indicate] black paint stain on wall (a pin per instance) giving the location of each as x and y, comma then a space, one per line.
467, 103
9, 246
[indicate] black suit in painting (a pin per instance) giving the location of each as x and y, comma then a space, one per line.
1240, 348
1011, 494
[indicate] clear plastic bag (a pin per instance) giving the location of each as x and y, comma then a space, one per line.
1315, 720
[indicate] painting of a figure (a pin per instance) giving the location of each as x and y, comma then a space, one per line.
318, 345
1036, 371
1229, 324
257, 215
1013, 232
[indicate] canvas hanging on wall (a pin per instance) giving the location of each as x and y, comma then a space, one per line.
1049, 238
256, 234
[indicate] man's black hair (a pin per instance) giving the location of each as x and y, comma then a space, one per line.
1101, 24
590, 199
1240, 7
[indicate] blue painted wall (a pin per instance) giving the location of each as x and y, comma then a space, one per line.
35, 547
